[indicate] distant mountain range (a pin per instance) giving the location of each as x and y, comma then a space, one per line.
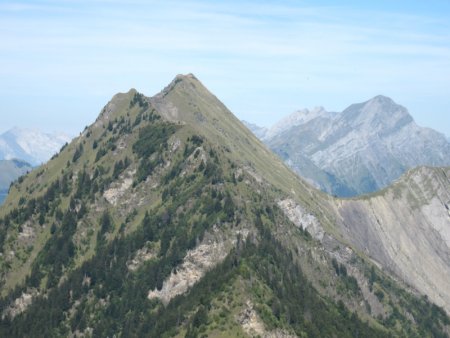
22, 149
32, 146
10, 170
360, 150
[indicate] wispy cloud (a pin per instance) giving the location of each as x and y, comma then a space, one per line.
300, 54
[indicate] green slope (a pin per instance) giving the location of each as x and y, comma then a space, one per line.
164, 218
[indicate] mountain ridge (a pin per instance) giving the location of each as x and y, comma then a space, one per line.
421, 194
364, 148
381, 114
170, 219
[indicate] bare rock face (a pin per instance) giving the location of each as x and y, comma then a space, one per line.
196, 263
118, 190
253, 325
301, 218
406, 228
360, 150
144, 254
19, 305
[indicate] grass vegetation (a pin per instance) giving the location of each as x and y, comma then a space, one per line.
191, 177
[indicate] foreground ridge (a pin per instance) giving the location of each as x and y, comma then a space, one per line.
167, 217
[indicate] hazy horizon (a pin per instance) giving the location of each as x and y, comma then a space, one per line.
71, 133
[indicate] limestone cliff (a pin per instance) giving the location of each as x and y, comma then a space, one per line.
406, 229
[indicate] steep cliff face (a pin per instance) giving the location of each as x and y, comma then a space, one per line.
361, 150
167, 217
406, 229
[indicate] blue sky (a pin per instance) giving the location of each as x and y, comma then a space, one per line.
61, 61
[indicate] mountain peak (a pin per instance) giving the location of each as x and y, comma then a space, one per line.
186, 76
297, 118
308, 114
385, 106
173, 204
379, 114
31, 145
180, 78
363, 148
187, 100
382, 99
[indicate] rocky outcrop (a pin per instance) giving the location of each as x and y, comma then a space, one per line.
143, 255
20, 304
252, 324
212, 251
301, 218
406, 229
117, 190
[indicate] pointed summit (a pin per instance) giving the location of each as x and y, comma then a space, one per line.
379, 114
177, 80
168, 204
383, 105
382, 99
366, 146
187, 100
186, 76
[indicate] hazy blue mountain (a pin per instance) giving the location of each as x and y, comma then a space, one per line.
363, 149
10, 170
260, 132
32, 146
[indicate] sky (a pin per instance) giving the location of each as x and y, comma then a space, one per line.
61, 61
